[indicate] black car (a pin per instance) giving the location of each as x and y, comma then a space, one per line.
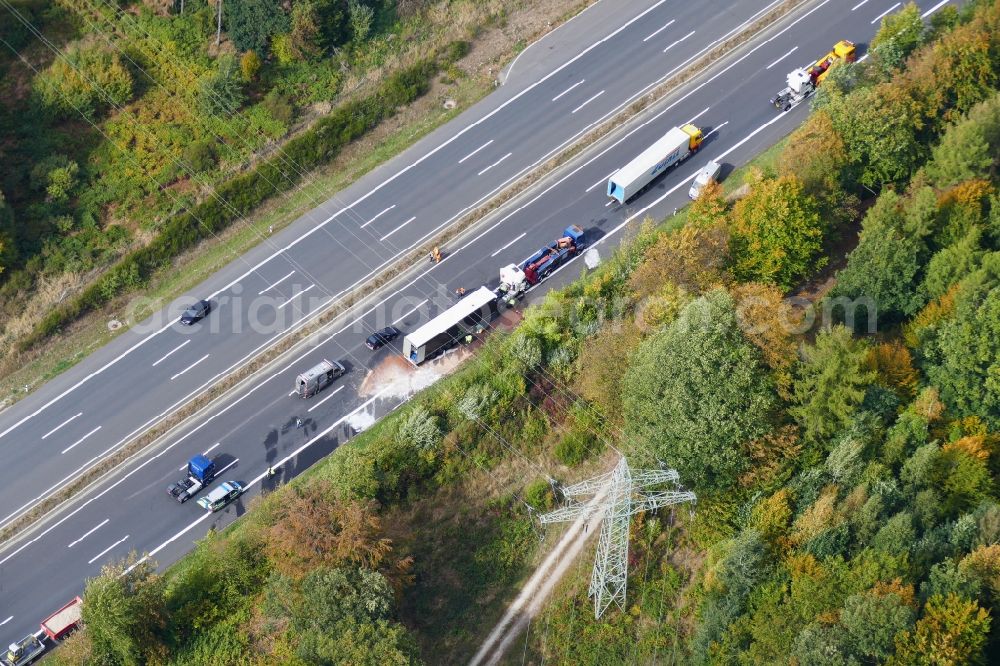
382, 337
195, 312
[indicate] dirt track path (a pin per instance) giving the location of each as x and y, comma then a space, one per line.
538, 588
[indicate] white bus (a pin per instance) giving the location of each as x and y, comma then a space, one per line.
473, 312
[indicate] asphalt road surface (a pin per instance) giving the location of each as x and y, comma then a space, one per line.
598, 63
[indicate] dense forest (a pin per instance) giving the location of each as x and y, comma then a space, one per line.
817, 352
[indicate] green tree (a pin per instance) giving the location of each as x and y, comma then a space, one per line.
123, 611
952, 631
330, 595
776, 232
8, 252
880, 126
305, 35
963, 153
380, 643
221, 93
961, 358
361, 16
696, 394
830, 383
898, 36
334, 23
86, 80
885, 266
872, 622
952, 264
251, 24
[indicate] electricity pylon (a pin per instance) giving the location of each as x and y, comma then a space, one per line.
621, 494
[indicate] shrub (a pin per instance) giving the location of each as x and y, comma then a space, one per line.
87, 80
574, 447
539, 494
200, 156
279, 106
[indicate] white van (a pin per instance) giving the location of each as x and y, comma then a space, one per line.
709, 173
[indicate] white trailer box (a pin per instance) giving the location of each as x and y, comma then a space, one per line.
475, 311
673, 147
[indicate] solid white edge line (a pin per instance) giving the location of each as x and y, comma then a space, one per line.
106, 550
654, 34
185, 370
73, 445
168, 354
932, 10
339, 389
509, 244
885, 13
587, 102
415, 308
66, 422
89, 532
475, 151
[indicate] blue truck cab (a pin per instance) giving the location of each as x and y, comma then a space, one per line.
200, 472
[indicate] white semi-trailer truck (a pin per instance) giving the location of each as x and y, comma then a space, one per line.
676, 146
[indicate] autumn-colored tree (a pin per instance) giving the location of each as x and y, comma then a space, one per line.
973, 446
249, 65
962, 209
951, 631
815, 154
893, 364
934, 312
694, 258
601, 360
983, 564
772, 516
776, 231
770, 322
770, 454
314, 529
963, 62
709, 208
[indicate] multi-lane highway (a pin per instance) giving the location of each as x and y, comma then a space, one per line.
604, 60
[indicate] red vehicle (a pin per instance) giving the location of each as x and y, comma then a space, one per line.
63, 621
